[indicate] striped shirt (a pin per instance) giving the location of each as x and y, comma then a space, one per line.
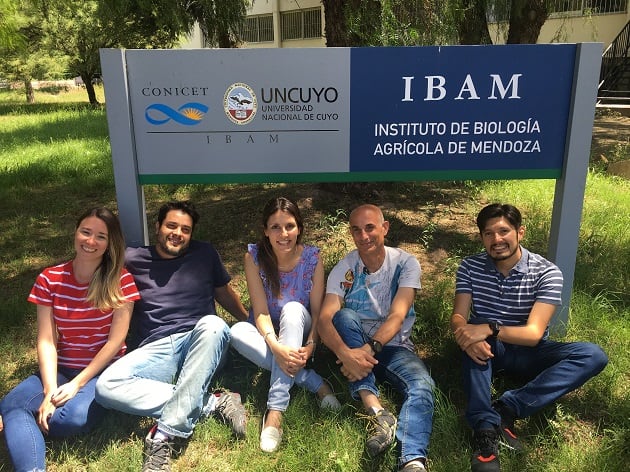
82, 330
508, 300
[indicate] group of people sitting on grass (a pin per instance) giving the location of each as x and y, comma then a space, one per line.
165, 296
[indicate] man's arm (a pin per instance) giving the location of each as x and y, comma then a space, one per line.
402, 302
228, 299
531, 333
471, 338
356, 363
325, 327
478, 350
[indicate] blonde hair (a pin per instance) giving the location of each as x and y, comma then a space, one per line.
104, 291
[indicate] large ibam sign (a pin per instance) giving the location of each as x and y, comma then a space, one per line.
354, 114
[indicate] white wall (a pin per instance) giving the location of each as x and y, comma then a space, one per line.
578, 29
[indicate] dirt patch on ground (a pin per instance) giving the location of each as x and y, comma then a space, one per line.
610, 130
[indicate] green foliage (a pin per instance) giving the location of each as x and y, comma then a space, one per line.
25, 57
400, 23
219, 21
10, 36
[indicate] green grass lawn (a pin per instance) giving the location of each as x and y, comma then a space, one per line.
55, 161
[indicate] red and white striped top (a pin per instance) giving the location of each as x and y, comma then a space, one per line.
82, 330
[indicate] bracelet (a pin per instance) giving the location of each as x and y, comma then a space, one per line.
268, 333
309, 342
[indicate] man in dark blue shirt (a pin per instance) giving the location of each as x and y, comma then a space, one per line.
180, 340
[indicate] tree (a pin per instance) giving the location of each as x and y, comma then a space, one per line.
472, 26
428, 22
9, 29
336, 30
219, 20
388, 22
520, 20
526, 20
23, 56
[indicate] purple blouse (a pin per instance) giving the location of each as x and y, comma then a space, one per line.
295, 286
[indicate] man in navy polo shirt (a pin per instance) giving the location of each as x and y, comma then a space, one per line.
505, 298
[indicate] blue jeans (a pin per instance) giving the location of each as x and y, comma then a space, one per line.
555, 368
19, 410
168, 379
295, 325
407, 374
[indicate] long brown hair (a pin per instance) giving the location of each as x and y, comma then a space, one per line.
104, 291
267, 259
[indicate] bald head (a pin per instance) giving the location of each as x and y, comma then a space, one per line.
367, 208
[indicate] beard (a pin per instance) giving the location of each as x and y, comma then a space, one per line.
504, 257
174, 251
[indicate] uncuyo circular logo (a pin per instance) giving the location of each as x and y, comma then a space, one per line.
240, 103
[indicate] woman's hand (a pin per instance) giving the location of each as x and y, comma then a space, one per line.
290, 360
45, 412
64, 393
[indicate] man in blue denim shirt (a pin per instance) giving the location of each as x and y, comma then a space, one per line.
366, 321
505, 298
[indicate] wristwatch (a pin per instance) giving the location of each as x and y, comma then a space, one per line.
495, 327
376, 346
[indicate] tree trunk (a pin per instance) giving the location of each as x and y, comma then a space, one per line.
225, 40
526, 19
28, 90
472, 26
335, 19
89, 87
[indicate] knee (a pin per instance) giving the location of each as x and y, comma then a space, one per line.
238, 330
108, 387
345, 318
597, 357
422, 386
103, 388
213, 328
240, 334
76, 418
294, 314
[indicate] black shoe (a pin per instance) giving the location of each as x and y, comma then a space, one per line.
507, 435
486, 451
381, 429
157, 454
231, 411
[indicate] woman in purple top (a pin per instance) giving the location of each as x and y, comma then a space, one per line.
285, 280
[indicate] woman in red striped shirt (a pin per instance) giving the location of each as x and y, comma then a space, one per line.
83, 311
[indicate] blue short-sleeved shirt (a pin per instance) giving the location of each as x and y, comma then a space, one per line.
509, 300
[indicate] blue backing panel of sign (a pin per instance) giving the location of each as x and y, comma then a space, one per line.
460, 108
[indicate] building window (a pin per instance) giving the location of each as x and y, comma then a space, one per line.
566, 8
301, 24
258, 29
586, 7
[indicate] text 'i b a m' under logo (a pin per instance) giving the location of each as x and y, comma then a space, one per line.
188, 114
240, 103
